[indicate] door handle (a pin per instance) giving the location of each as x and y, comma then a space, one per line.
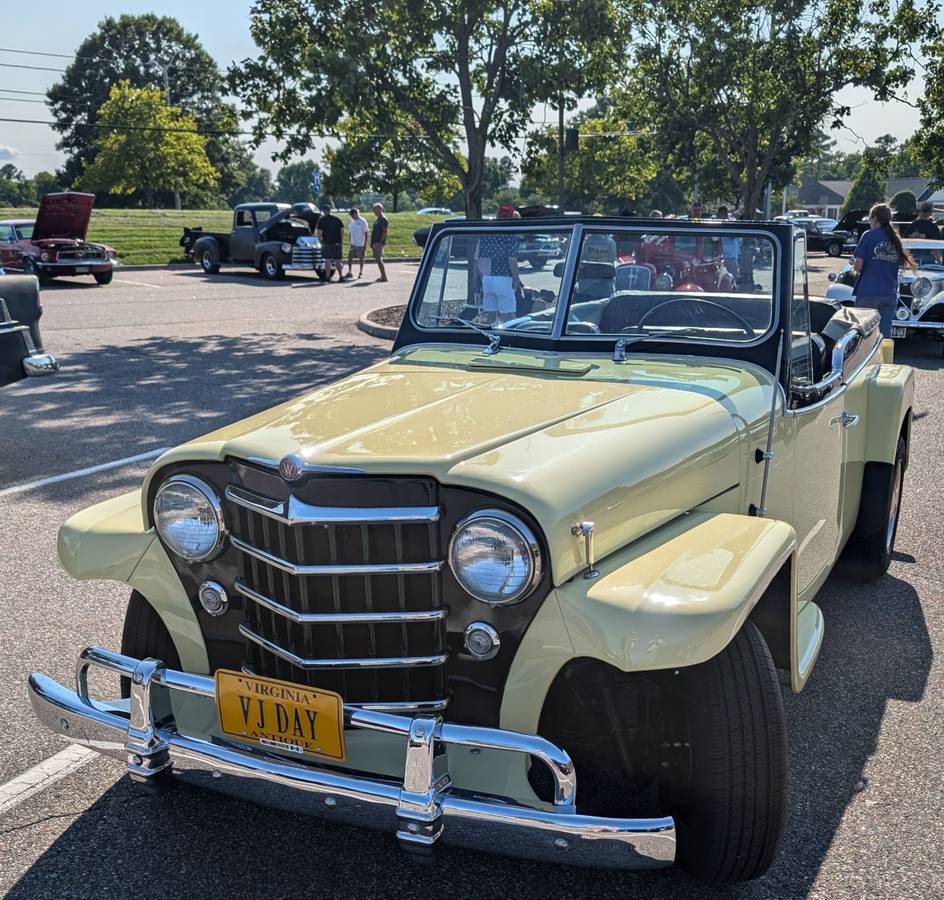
847, 420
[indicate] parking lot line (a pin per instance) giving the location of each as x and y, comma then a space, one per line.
42, 775
141, 283
78, 473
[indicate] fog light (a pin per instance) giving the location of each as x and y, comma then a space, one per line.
902, 312
481, 640
213, 598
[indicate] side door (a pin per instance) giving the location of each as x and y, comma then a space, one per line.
242, 245
819, 422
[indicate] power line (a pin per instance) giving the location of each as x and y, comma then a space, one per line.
42, 53
33, 93
34, 68
22, 100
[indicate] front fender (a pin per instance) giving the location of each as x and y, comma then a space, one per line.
110, 540
674, 598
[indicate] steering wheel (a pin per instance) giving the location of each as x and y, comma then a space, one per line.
739, 320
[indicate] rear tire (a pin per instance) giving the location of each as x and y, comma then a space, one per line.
727, 789
104, 277
869, 552
144, 635
208, 262
538, 264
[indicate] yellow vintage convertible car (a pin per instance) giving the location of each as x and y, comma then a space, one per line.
565, 535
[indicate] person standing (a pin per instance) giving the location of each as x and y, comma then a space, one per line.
923, 226
378, 237
357, 235
498, 266
331, 229
878, 257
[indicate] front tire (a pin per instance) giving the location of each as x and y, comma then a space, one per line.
538, 264
727, 789
869, 552
834, 248
104, 277
30, 268
144, 635
271, 267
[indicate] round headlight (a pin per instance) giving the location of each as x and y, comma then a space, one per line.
495, 557
44, 256
286, 248
189, 518
921, 287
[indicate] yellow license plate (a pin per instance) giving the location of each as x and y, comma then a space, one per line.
280, 715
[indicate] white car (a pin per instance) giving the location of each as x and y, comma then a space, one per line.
434, 211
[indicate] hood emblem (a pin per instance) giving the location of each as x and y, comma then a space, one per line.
291, 468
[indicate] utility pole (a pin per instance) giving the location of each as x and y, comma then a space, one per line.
560, 151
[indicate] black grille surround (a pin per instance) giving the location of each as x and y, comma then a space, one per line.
417, 618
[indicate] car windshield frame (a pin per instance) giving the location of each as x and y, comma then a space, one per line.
557, 339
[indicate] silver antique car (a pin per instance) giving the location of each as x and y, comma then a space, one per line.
920, 292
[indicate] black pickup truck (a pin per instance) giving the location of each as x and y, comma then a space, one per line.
271, 237
21, 346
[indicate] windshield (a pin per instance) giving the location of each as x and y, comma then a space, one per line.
928, 258
25, 232
505, 279
708, 284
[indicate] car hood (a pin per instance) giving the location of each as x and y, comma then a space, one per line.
65, 215
628, 446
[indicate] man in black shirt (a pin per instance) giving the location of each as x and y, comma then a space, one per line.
331, 229
923, 227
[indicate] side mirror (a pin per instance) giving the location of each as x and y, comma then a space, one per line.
559, 270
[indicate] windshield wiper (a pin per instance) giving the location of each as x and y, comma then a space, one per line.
494, 340
619, 349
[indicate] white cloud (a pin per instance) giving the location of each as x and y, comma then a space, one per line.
8, 153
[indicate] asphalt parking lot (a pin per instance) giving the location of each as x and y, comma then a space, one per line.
160, 356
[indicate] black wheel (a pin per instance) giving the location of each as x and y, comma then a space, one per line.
104, 277
834, 248
144, 635
727, 787
538, 264
322, 274
208, 262
869, 552
30, 268
271, 267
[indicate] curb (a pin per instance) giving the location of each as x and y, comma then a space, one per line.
384, 332
145, 267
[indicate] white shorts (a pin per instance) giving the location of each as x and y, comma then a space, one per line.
498, 294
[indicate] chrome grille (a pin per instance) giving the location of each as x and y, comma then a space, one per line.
86, 254
344, 598
307, 256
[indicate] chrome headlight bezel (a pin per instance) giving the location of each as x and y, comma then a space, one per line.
216, 508
921, 287
528, 538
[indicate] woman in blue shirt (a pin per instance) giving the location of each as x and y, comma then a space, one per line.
878, 257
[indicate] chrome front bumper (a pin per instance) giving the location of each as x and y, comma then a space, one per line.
421, 810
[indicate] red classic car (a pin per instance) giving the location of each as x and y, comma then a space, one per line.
55, 243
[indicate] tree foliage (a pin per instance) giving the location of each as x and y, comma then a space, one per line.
157, 149
478, 66
756, 81
905, 203
390, 161
293, 182
609, 170
868, 187
147, 51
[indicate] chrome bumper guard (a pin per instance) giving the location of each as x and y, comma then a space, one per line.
422, 810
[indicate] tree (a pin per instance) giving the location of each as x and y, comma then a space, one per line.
480, 66
45, 183
293, 183
496, 176
608, 171
256, 187
757, 81
867, 188
390, 162
156, 149
15, 188
905, 203
146, 51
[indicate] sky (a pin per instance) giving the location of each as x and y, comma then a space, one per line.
223, 28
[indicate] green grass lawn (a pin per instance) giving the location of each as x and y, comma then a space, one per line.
151, 236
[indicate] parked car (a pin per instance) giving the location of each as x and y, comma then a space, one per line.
21, 345
434, 211
825, 235
567, 550
271, 237
54, 243
920, 293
